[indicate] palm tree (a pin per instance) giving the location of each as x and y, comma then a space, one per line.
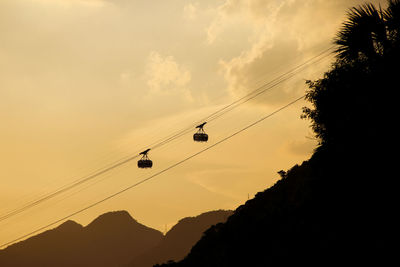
368, 54
363, 34
392, 18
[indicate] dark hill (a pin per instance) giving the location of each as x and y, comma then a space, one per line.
338, 208
45, 249
118, 246
180, 239
112, 239
314, 215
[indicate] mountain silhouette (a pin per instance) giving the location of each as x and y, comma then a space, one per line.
180, 239
112, 239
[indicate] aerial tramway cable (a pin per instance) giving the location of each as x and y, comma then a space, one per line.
253, 94
220, 112
156, 174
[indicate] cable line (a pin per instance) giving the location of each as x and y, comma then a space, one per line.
61, 190
253, 94
211, 117
276, 80
154, 175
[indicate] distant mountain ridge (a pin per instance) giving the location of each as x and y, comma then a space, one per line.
112, 239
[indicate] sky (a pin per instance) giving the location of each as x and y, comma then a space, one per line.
85, 83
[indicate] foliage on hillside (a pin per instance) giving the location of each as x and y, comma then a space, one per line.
337, 207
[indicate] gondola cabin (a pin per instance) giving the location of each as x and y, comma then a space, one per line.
200, 136
145, 162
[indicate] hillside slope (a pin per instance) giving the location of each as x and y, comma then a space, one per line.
180, 239
318, 213
338, 207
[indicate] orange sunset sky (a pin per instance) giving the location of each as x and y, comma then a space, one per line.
85, 83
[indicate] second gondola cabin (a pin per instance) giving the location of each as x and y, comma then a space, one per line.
200, 136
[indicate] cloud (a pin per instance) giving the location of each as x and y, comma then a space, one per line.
282, 32
190, 11
234, 13
166, 76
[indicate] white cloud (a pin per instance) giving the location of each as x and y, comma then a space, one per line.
165, 76
234, 13
190, 11
281, 32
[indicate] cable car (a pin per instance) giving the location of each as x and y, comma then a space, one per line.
200, 136
145, 162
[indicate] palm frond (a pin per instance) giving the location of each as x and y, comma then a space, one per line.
362, 34
392, 18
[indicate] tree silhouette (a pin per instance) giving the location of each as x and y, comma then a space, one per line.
354, 98
369, 31
338, 206
392, 18
363, 34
